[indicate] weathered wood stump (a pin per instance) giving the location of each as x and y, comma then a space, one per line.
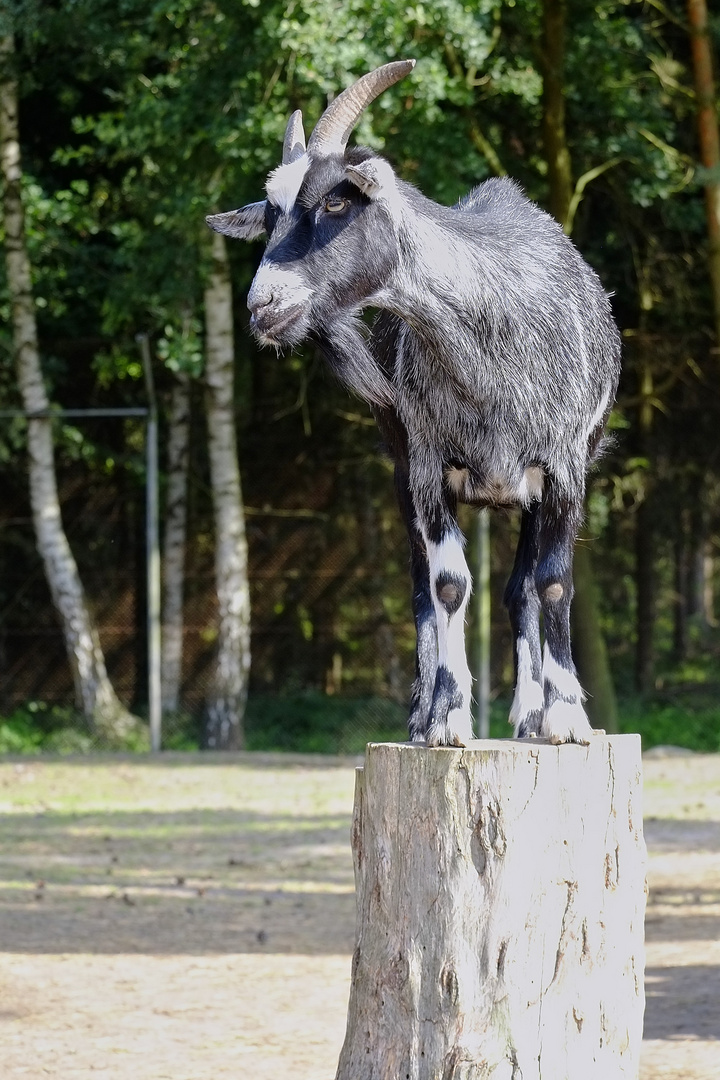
500, 904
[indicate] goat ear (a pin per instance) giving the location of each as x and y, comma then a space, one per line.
374, 177
247, 223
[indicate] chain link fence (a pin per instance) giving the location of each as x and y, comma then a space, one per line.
332, 633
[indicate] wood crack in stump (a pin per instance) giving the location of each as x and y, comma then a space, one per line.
612, 868
490, 831
564, 930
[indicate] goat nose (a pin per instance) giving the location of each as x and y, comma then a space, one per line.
258, 299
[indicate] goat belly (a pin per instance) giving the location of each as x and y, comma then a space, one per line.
492, 489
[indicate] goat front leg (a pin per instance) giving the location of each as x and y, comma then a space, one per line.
395, 438
450, 722
564, 718
450, 583
523, 604
426, 648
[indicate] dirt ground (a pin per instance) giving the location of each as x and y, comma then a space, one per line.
193, 918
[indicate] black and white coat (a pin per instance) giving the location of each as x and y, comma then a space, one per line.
491, 370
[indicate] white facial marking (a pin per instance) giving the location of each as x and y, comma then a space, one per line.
528, 695
285, 286
284, 183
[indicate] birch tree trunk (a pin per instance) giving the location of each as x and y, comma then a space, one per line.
228, 694
174, 543
105, 714
500, 906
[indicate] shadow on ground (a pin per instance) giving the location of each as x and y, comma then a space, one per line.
194, 882
683, 1002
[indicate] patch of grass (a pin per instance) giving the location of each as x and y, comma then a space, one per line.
667, 723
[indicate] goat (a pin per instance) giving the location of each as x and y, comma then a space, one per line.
491, 369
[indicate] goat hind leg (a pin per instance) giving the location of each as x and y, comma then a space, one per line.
523, 604
426, 649
564, 719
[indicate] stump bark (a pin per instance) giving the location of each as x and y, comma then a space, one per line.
500, 906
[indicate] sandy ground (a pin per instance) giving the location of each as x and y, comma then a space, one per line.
194, 919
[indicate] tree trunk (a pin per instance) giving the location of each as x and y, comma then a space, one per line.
645, 588
106, 716
704, 586
228, 694
500, 904
645, 544
557, 154
590, 649
700, 590
587, 636
680, 598
174, 543
709, 140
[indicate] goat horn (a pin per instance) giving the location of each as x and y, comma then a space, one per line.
333, 129
294, 142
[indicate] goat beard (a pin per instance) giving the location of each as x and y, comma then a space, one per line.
345, 345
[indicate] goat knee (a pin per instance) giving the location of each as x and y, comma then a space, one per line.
554, 584
451, 590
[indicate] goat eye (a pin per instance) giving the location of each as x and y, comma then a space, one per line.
336, 205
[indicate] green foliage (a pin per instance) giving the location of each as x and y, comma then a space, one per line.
661, 723
38, 726
18, 736
311, 722
315, 723
56, 729
180, 348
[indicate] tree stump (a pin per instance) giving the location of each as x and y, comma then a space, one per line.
500, 905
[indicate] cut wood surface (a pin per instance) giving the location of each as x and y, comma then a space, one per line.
501, 895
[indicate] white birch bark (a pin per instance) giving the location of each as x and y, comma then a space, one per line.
94, 692
174, 543
500, 906
228, 693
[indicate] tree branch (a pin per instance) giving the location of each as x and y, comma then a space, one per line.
579, 191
